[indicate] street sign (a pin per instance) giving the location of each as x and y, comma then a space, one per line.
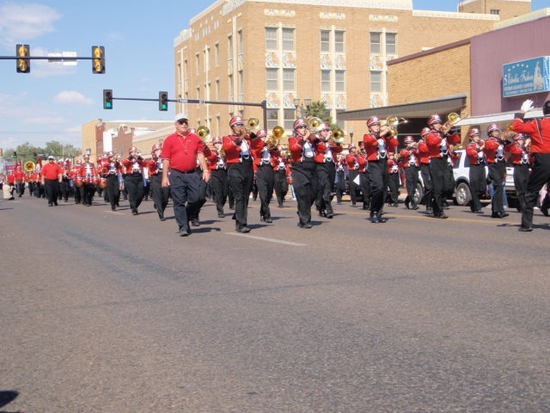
64, 58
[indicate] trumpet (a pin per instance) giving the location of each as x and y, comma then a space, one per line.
203, 132
392, 122
338, 136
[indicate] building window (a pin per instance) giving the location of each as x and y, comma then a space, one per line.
230, 46
240, 40
197, 64
375, 42
289, 80
325, 41
271, 38
325, 80
206, 59
272, 118
376, 81
217, 89
339, 81
495, 11
290, 117
241, 82
339, 41
217, 51
288, 40
231, 87
391, 43
271, 79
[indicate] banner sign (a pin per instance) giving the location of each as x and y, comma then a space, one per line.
526, 77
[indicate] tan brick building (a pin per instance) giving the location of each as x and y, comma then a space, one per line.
332, 51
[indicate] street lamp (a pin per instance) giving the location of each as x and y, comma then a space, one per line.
297, 105
351, 132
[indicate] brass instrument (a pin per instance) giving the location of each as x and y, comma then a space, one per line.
338, 136
203, 132
275, 138
452, 119
29, 166
392, 122
314, 123
253, 124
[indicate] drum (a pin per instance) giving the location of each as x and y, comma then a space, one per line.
102, 183
78, 181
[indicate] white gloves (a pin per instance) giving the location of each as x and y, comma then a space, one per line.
527, 105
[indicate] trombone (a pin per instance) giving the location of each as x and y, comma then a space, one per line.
392, 122
452, 119
314, 123
338, 136
274, 138
204, 133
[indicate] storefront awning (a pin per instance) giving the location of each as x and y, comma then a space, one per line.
422, 109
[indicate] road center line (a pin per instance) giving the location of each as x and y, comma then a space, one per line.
276, 241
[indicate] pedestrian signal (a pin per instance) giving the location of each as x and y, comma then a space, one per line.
23, 53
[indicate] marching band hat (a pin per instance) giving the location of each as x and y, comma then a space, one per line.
409, 139
434, 119
492, 127
262, 133
299, 122
132, 149
373, 121
216, 140
181, 116
351, 146
155, 147
424, 132
236, 120
473, 132
518, 137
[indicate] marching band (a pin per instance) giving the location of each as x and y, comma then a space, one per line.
312, 162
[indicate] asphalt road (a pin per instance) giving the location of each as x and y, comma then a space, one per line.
103, 311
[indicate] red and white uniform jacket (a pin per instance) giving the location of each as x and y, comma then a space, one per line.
362, 158
409, 157
423, 153
325, 151
393, 166
301, 149
265, 156
494, 150
538, 129
438, 143
216, 161
235, 152
519, 154
355, 161
475, 154
88, 173
154, 166
377, 146
132, 165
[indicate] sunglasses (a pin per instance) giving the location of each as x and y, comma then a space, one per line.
182, 121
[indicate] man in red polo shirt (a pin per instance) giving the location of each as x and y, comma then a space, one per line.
180, 153
52, 174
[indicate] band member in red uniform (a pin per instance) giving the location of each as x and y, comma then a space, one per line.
438, 140
352, 161
159, 193
180, 153
478, 176
266, 154
326, 149
378, 142
240, 169
364, 177
393, 180
494, 154
340, 184
539, 130
111, 169
280, 178
521, 161
410, 161
19, 175
425, 173
90, 178
218, 176
304, 176
133, 178
52, 174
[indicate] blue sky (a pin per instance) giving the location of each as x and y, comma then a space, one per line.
54, 101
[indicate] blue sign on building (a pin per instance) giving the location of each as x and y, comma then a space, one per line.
526, 77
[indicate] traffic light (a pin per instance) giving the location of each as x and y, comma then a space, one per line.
163, 101
14, 156
23, 51
98, 61
107, 99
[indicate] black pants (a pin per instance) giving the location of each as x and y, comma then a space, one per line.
134, 185
340, 185
497, 170
326, 174
51, 187
411, 176
521, 179
194, 209
160, 195
540, 174
265, 181
478, 185
364, 184
239, 177
305, 187
378, 177
442, 183
280, 186
426, 174
393, 188
219, 188
113, 190
354, 187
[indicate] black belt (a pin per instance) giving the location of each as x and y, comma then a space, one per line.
185, 172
